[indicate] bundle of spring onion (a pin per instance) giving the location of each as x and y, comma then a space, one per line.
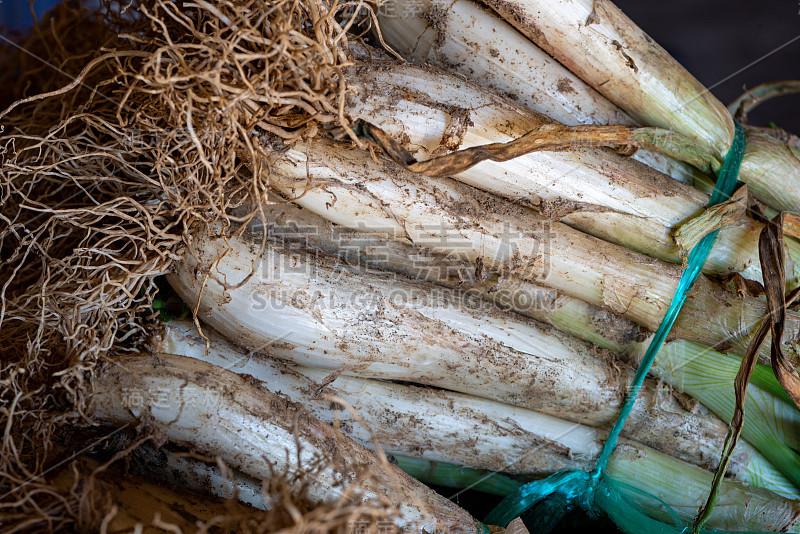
694, 369
594, 191
282, 285
469, 39
449, 266
449, 427
505, 237
598, 43
314, 313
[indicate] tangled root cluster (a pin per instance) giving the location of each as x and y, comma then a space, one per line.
125, 127
87, 496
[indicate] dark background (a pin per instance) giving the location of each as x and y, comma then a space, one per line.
714, 39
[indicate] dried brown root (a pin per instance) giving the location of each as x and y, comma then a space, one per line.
94, 497
130, 128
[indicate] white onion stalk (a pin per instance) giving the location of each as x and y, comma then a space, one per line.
597, 192
433, 424
292, 226
185, 471
684, 487
465, 37
315, 313
203, 477
350, 189
596, 41
439, 425
198, 405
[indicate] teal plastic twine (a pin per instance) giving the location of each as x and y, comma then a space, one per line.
558, 493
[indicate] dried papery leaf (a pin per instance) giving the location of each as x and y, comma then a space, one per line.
744, 286
791, 225
516, 527
625, 139
792, 299
737, 422
724, 214
776, 133
771, 255
547, 137
770, 248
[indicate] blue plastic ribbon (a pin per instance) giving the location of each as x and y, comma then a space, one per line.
592, 491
